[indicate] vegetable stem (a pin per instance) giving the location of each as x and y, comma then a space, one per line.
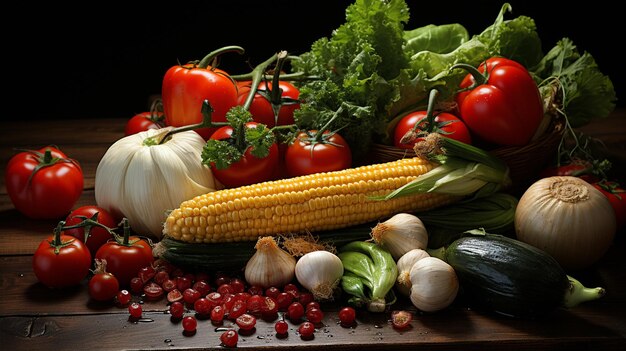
578, 293
204, 63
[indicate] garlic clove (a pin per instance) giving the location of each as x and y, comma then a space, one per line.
435, 284
319, 272
400, 234
405, 263
270, 265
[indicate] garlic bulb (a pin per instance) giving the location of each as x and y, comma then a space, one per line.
270, 265
568, 218
435, 284
405, 263
319, 272
400, 234
141, 181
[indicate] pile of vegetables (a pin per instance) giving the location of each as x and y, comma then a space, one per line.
228, 153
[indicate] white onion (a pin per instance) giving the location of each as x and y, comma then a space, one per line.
568, 218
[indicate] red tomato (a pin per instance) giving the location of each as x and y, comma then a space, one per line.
261, 107
142, 122
61, 261
249, 169
44, 183
401, 319
577, 168
97, 235
126, 258
506, 107
186, 87
307, 156
103, 286
617, 197
451, 127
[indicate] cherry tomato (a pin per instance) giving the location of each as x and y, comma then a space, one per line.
347, 316
229, 338
401, 319
123, 297
103, 286
126, 258
576, 168
142, 122
306, 330
451, 127
97, 235
617, 197
44, 183
295, 311
314, 315
184, 89
313, 153
281, 327
61, 261
153, 291
249, 169
261, 107
190, 323
246, 321
177, 309
135, 310
217, 314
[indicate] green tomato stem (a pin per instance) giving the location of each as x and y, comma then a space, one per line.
204, 63
479, 78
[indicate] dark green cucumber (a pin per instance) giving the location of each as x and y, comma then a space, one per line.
512, 278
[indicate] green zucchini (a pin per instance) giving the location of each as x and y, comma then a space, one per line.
512, 278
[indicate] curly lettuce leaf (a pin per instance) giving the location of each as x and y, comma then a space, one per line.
355, 66
581, 91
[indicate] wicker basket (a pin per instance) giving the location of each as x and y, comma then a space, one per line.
525, 162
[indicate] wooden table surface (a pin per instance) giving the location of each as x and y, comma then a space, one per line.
33, 317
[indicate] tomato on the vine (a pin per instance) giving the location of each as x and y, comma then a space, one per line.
315, 152
616, 195
500, 102
97, 235
143, 121
286, 99
580, 168
410, 128
249, 168
186, 87
44, 183
61, 260
449, 126
126, 256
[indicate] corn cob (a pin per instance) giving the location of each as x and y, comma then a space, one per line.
316, 202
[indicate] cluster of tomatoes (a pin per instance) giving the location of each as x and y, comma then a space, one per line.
227, 302
499, 104
186, 87
72, 253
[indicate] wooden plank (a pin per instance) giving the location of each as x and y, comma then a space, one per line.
468, 331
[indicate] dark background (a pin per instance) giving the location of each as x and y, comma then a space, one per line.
65, 62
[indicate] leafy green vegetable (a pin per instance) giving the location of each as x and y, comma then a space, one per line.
355, 66
225, 152
575, 83
441, 39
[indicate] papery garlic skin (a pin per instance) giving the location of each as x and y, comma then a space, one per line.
319, 272
400, 234
270, 265
142, 182
435, 284
405, 263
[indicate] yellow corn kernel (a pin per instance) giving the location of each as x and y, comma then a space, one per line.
315, 202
